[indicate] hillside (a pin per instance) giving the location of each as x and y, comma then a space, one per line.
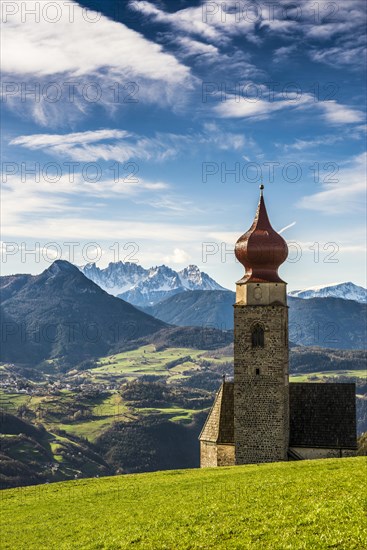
61, 313
30, 455
143, 409
284, 506
197, 308
326, 322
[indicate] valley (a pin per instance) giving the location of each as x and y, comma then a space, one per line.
114, 403
91, 385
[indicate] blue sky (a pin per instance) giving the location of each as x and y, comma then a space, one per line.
149, 125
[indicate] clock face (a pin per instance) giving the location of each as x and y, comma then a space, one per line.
258, 293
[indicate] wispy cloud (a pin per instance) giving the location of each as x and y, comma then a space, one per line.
120, 145
73, 51
352, 56
331, 111
346, 195
349, 133
43, 141
302, 144
76, 211
178, 256
341, 114
190, 47
216, 23
232, 108
76, 46
287, 227
99, 145
282, 54
44, 199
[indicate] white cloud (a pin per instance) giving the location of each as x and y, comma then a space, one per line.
341, 114
120, 145
218, 22
211, 21
258, 108
100, 145
89, 228
76, 46
23, 202
287, 227
178, 256
282, 54
76, 210
179, 206
353, 132
346, 195
42, 141
194, 47
302, 144
82, 64
340, 56
332, 112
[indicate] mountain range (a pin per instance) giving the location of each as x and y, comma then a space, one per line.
145, 287
347, 291
61, 313
325, 322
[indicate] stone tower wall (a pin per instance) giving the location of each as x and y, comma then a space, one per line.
261, 384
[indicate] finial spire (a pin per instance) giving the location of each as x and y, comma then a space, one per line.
261, 250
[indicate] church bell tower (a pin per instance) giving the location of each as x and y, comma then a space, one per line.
261, 380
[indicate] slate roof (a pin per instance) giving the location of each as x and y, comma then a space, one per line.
219, 425
321, 415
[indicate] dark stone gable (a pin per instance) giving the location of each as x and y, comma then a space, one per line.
322, 415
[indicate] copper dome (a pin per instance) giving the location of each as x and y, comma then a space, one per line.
261, 250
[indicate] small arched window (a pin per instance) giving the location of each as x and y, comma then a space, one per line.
257, 336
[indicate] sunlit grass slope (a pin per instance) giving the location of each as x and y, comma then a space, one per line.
295, 505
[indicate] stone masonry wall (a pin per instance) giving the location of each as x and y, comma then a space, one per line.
261, 386
208, 454
225, 454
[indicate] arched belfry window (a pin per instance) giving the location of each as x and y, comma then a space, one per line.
257, 336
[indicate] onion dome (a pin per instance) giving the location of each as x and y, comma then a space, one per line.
261, 250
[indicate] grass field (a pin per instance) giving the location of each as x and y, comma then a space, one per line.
296, 505
329, 376
145, 360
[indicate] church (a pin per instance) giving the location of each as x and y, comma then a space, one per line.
260, 416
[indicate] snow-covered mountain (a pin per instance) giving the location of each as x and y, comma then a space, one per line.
347, 291
144, 287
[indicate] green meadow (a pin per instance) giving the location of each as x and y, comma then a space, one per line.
329, 376
304, 505
147, 361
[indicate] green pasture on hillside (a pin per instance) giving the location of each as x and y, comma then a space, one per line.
304, 505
